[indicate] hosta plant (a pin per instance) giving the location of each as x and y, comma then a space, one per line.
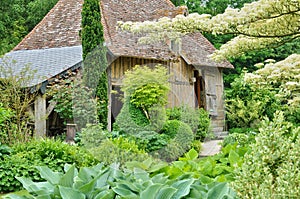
109, 182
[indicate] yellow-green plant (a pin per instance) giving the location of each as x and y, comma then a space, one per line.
271, 168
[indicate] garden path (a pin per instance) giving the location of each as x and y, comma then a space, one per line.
210, 148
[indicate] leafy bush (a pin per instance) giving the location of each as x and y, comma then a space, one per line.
150, 140
131, 120
92, 136
171, 128
197, 119
118, 150
25, 156
271, 169
240, 139
179, 144
146, 87
101, 182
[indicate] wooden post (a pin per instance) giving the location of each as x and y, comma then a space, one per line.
40, 116
109, 98
71, 131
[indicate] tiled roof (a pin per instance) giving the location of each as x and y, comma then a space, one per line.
195, 48
54, 44
122, 43
60, 27
47, 62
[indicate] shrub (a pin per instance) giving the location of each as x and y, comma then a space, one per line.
146, 87
171, 128
25, 156
241, 139
150, 140
271, 169
179, 144
197, 119
118, 150
92, 136
131, 119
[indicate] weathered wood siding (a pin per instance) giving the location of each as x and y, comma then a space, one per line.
123, 64
214, 96
182, 90
182, 87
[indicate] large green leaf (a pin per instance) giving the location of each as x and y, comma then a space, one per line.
183, 188
43, 196
49, 175
15, 196
165, 193
124, 192
151, 191
233, 158
192, 154
220, 191
67, 180
69, 193
89, 187
107, 194
36, 187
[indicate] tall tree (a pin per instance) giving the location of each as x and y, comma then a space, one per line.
94, 55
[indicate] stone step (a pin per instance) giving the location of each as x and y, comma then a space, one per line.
220, 135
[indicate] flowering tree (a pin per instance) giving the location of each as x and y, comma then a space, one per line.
257, 25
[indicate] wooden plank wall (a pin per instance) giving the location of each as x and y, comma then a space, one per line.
123, 64
182, 92
182, 89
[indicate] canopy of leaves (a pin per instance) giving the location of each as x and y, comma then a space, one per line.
18, 17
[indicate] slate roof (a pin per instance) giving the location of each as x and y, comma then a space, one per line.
47, 62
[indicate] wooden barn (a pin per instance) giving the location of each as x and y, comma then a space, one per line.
54, 47
196, 80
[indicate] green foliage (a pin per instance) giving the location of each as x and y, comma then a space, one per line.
171, 128
18, 17
25, 156
219, 167
240, 138
197, 119
150, 141
92, 136
146, 87
179, 144
118, 150
74, 102
101, 182
131, 120
4, 150
15, 102
271, 169
246, 105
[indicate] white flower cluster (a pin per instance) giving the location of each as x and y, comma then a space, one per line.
259, 24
